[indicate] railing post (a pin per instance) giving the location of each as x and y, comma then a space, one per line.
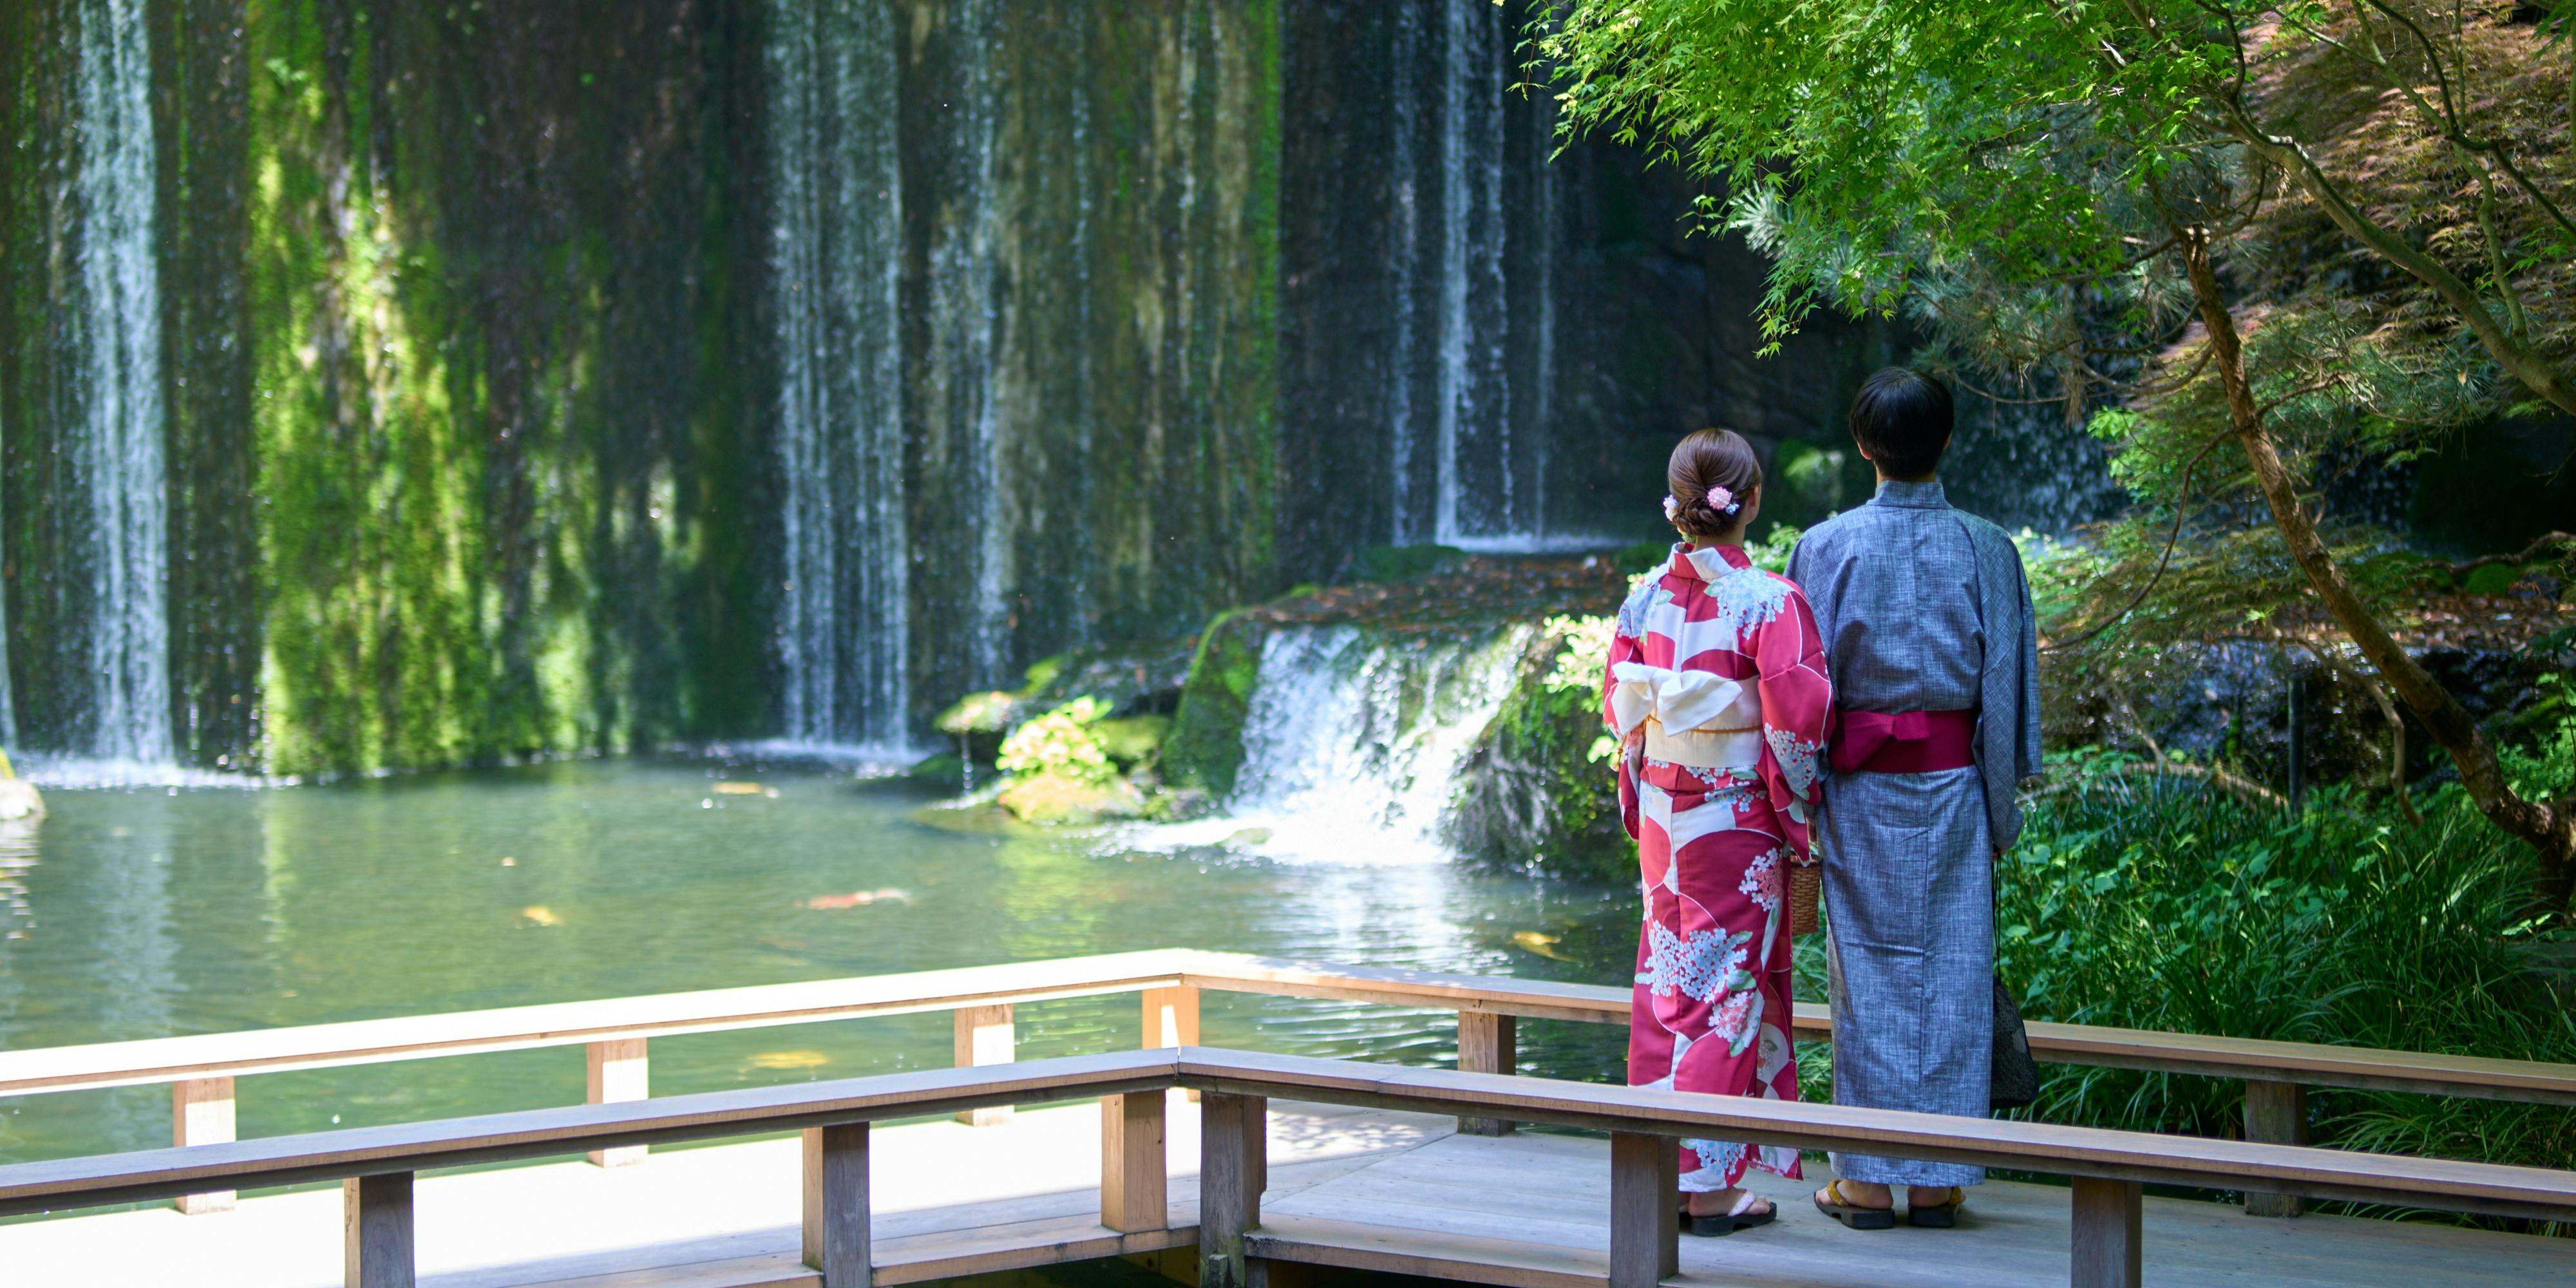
1487, 1043
1645, 1210
618, 1073
984, 1036
2276, 1113
2106, 1236
376, 1227
836, 1204
1234, 1145
1172, 1018
201, 1113
1134, 1194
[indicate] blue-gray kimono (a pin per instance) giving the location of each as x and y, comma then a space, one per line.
1922, 608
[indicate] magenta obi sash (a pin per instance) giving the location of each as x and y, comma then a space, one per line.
1903, 742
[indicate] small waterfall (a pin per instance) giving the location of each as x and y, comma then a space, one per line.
113, 440
1353, 741
836, 242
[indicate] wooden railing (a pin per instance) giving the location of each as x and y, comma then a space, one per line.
376, 1165
200, 1069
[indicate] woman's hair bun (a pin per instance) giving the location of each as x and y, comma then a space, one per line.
1711, 474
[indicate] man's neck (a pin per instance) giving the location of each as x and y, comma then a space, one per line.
1885, 478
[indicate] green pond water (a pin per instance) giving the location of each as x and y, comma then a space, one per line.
151, 912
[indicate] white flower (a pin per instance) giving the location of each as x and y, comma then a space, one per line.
1671, 507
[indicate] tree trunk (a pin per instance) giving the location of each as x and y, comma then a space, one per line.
2549, 829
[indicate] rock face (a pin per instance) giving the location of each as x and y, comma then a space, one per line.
549, 378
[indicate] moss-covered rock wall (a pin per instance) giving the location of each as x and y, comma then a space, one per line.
1091, 198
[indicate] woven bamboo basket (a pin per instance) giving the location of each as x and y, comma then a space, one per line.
1806, 895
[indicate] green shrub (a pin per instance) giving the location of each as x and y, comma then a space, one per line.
1059, 743
2155, 906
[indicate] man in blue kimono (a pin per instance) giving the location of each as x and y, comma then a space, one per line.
1929, 637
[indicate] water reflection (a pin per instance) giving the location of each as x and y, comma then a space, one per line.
154, 913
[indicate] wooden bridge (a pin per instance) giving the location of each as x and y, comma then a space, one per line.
1300, 1163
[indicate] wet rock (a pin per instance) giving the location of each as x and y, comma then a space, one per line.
19, 801
1064, 800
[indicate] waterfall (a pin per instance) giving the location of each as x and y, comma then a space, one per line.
1470, 393
836, 244
112, 345
1354, 739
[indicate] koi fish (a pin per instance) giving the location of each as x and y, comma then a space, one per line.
539, 916
742, 789
1543, 945
790, 1060
857, 899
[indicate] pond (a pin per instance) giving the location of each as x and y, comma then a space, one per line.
150, 912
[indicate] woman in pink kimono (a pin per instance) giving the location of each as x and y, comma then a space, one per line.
1718, 693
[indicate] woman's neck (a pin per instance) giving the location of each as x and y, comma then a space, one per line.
1735, 538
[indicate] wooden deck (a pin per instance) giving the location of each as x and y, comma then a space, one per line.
1350, 1187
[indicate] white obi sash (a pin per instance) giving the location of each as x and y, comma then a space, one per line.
1696, 718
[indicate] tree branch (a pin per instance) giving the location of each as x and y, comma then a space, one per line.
2518, 359
2537, 548
2550, 833
2182, 509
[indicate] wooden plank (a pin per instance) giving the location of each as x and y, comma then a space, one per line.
2312, 1173
376, 1224
985, 1035
1233, 1139
835, 1225
538, 1133
319, 1046
1645, 1207
1487, 1043
618, 1073
989, 1250
2107, 1246
201, 1113
1427, 1254
2276, 1112
1133, 1181
371, 1041
1171, 1018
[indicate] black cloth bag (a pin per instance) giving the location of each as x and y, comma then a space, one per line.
2015, 1080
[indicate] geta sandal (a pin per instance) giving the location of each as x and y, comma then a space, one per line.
1734, 1219
1937, 1216
1832, 1203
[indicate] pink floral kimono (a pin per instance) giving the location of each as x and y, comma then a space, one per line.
1717, 690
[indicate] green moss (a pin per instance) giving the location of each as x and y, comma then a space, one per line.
1536, 795
1205, 747
1133, 740
1405, 563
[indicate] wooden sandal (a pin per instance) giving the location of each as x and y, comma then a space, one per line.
1938, 1216
1737, 1218
1853, 1214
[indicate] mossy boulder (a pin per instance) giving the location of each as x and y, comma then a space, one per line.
1071, 800
1539, 792
1204, 748
1129, 679
1132, 741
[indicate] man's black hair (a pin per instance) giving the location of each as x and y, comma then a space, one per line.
1901, 418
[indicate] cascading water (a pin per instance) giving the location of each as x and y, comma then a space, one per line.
1353, 742
963, 306
1471, 376
837, 252
113, 346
